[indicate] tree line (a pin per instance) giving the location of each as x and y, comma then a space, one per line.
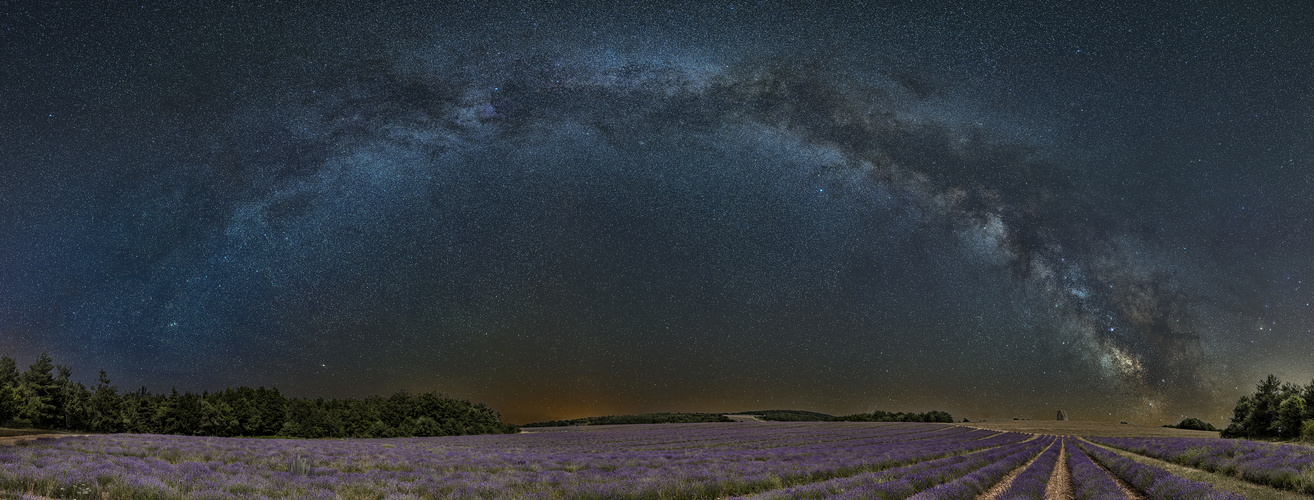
1276, 410
46, 397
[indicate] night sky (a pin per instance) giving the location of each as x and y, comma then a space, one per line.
566, 211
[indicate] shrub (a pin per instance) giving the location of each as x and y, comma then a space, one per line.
1193, 423
1307, 430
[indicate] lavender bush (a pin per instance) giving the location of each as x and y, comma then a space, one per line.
1288, 467
971, 485
667, 461
671, 461
1089, 481
1156, 483
903, 482
1031, 483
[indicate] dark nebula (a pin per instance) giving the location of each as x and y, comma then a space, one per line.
659, 207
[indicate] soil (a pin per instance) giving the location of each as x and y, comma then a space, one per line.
5, 441
1060, 482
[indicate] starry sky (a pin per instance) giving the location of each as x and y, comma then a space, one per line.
571, 209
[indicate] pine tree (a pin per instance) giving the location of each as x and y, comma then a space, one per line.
1262, 420
8, 371
65, 402
10, 402
106, 406
11, 399
40, 392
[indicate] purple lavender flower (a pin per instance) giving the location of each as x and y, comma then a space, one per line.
1280, 466
1031, 483
1156, 483
1089, 481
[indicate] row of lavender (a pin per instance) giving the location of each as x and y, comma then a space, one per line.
1285, 466
1089, 481
966, 477
957, 476
669, 461
809, 460
1155, 483
1032, 482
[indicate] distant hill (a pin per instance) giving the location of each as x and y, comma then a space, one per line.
789, 415
771, 415
876, 416
645, 418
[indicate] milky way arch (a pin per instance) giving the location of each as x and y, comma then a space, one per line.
1105, 296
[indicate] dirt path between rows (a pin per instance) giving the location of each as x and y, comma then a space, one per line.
1059, 486
1000, 487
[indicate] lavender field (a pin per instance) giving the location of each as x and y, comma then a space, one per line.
1289, 467
671, 461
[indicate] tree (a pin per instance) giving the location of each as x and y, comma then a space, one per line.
139, 412
272, 408
309, 419
1291, 413
47, 396
106, 407
1275, 410
41, 391
71, 398
1193, 423
11, 401
1263, 416
8, 371
1240, 414
1308, 394
185, 414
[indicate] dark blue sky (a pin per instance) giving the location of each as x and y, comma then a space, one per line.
567, 211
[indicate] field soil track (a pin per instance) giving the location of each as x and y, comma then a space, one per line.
12, 440
1060, 481
1082, 428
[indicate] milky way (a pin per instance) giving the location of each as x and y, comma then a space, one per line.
643, 216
